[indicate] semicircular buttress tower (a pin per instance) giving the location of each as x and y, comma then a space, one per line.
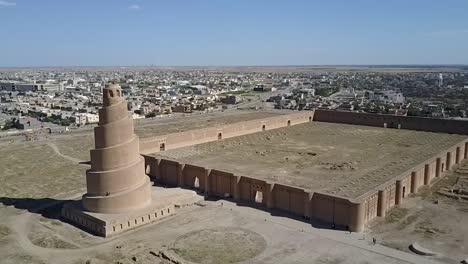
116, 182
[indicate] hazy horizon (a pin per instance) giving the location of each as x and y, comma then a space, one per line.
251, 66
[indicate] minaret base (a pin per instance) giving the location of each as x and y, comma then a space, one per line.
164, 203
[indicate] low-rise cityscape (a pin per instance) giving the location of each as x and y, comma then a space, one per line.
63, 99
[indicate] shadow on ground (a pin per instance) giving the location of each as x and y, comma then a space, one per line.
47, 207
280, 213
51, 208
273, 212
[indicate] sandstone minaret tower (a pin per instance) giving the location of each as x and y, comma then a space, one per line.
119, 194
116, 182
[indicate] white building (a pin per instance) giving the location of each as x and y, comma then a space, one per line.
82, 119
183, 83
387, 97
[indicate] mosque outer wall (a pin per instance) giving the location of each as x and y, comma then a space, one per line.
392, 121
327, 208
338, 211
204, 135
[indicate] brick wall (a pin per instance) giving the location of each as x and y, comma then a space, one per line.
392, 121
337, 211
199, 136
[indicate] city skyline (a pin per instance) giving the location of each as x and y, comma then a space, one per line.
241, 33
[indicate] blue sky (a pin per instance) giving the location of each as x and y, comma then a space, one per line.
232, 32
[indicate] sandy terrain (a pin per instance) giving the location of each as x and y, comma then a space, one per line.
210, 232
219, 245
35, 170
37, 177
436, 222
341, 159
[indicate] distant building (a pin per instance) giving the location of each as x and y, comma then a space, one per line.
82, 119
264, 87
307, 91
231, 99
199, 89
147, 108
387, 97
183, 83
183, 108
19, 87
27, 87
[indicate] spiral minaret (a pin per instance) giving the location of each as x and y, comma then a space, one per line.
116, 182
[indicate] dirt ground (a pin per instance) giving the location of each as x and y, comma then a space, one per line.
219, 245
434, 221
37, 173
35, 170
347, 160
37, 177
208, 232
